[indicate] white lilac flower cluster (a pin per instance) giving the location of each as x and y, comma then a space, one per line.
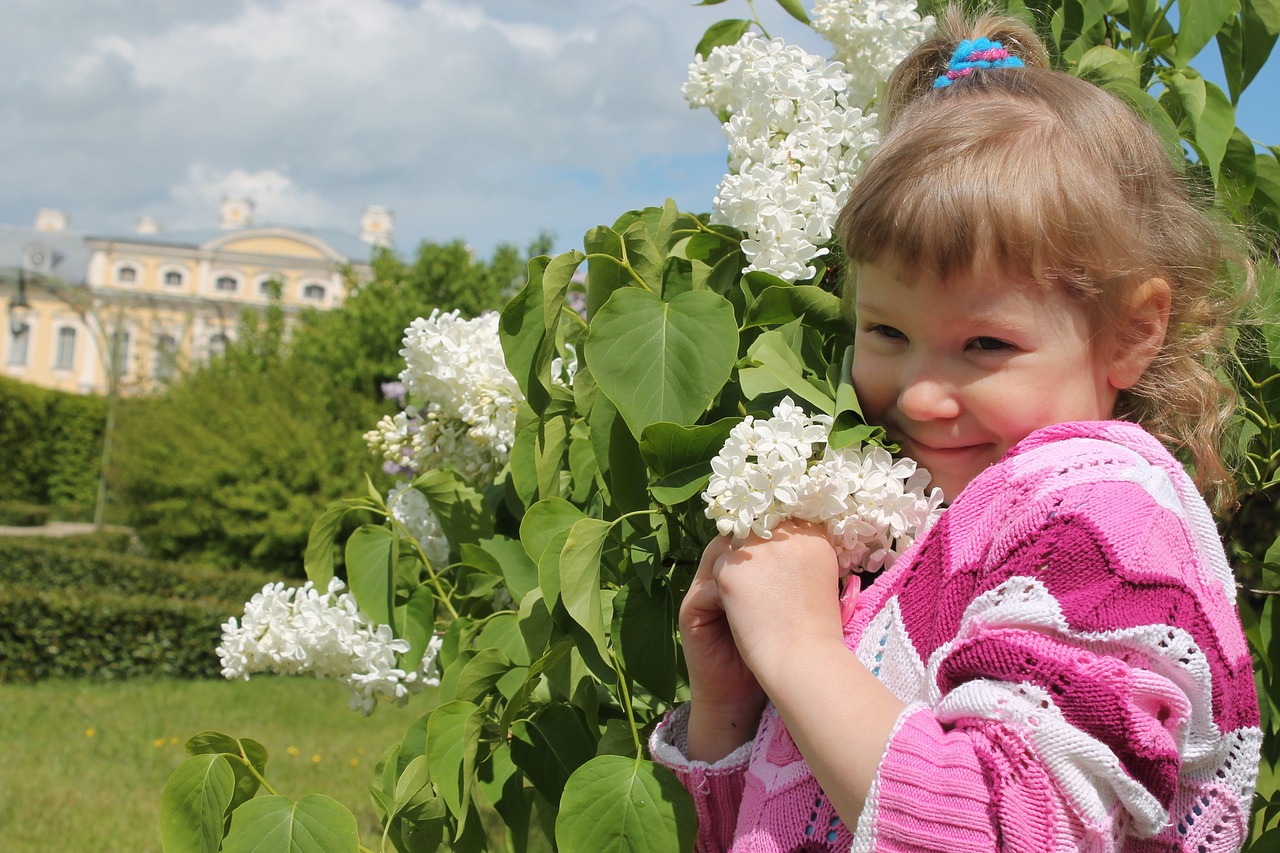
468, 421
795, 144
295, 630
872, 506
410, 508
870, 37
563, 370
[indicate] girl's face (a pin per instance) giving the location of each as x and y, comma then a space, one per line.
958, 373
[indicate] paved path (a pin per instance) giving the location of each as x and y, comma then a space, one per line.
58, 528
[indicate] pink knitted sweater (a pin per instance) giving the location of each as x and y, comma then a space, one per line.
1076, 678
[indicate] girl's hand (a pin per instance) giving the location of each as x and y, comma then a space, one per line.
781, 597
726, 698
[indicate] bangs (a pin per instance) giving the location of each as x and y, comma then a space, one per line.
966, 183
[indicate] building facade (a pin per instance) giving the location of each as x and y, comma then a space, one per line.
136, 309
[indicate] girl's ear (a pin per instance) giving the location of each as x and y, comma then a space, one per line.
1142, 336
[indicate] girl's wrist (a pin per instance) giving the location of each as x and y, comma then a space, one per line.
717, 729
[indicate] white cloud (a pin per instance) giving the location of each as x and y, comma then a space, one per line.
485, 119
277, 199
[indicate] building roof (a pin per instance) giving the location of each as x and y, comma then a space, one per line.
346, 244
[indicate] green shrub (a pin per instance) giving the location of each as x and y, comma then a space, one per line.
51, 443
14, 514
48, 564
230, 467
86, 634
111, 541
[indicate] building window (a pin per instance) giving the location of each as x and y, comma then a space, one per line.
313, 293
173, 278
226, 284
127, 275
270, 287
120, 353
218, 345
65, 356
165, 358
18, 345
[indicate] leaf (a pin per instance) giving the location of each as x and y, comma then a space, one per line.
542, 532
778, 305
519, 572
1198, 22
314, 824
522, 332
1239, 174
524, 462
418, 626
453, 736
502, 632
662, 361
1102, 64
215, 743
617, 453
194, 804
371, 571
681, 456
775, 368
604, 266
459, 507
480, 674
552, 443
1267, 13
412, 781
1259, 28
318, 560
1209, 114
643, 255
795, 10
721, 32
505, 789
643, 628
621, 804
550, 747
579, 567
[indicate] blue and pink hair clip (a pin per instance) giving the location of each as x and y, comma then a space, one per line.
976, 53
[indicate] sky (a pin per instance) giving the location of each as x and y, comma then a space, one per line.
487, 121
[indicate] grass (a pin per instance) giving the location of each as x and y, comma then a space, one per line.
85, 763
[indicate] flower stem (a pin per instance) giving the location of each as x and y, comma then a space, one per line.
244, 759
432, 577
626, 703
622, 262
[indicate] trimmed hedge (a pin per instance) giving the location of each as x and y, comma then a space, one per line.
36, 563
69, 609
13, 514
80, 634
51, 442
108, 540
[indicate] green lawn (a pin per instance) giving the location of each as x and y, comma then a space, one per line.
85, 763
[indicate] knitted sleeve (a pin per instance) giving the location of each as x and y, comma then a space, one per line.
716, 788
1082, 676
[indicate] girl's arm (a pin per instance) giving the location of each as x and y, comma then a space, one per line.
781, 599
1077, 678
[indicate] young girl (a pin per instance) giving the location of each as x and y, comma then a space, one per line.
1058, 664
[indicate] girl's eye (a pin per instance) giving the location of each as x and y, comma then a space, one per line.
990, 344
886, 332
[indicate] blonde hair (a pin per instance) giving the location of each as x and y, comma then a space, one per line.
1048, 178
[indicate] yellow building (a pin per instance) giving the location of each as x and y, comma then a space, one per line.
159, 301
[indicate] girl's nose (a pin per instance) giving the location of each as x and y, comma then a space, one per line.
928, 397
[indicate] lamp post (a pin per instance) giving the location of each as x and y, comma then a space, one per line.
19, 308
